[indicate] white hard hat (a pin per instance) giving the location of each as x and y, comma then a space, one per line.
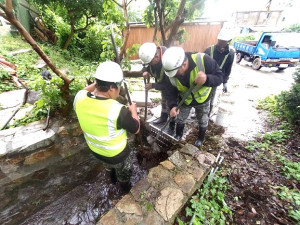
172, 60
225, 35
147, 52
109, 71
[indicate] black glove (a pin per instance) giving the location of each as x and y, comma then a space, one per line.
224, 87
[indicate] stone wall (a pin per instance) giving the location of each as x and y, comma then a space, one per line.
158, 198
25, 150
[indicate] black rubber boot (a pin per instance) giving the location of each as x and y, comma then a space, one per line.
171, 128
179, 131
163, 118
113, 176
125, 186
201, 134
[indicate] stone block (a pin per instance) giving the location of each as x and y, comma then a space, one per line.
41, 156
206, 159
63, 132
196, 171
169, 203
168, 165
110, 218
153, 218
28, 141
189, 149
129, 206
158, 176
178, 160
140, 187
186, 182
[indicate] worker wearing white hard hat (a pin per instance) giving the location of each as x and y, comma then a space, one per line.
224, 57
151, 56
105, 122
184, 70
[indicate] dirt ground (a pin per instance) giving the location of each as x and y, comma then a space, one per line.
252, 179
253, 175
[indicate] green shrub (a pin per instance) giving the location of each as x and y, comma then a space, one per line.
249, 37
288, 102
294, 28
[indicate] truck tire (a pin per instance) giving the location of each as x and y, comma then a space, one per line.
280, 68
256, 64
239, 57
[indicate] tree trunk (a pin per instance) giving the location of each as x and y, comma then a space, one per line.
71, 35
11, 18
176, 24
127, 32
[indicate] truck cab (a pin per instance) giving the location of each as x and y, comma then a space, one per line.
273, 49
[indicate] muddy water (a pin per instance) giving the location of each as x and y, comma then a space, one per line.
237, 108
75, 191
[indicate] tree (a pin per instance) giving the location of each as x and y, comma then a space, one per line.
167, 16
126, 30
78, 14
7, 12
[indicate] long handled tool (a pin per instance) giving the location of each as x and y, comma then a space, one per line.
146, 81
193, 87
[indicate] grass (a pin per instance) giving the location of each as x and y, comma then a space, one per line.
76, 68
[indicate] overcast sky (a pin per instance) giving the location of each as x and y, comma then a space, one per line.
222, 9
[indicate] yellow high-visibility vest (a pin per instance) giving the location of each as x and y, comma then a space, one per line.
201, 93
98, 121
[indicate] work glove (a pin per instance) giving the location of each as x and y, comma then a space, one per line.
224, 87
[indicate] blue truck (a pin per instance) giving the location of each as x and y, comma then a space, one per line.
273, 49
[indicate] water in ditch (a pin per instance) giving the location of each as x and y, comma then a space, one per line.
77, 190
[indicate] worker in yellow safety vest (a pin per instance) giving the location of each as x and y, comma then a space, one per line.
194, 74
105, 122
224, 57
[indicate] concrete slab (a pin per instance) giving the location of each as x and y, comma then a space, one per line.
139, 97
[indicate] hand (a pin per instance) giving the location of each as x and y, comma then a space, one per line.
224, 87
201, 78
148, 86
146, 75
173, 112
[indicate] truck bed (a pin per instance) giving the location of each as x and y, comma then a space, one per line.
245, 46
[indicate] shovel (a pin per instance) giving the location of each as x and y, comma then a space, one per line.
146, 81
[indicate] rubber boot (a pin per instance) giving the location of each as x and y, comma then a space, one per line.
179, 131
171, 128
125, 186
163, 118
113, 176
201, 134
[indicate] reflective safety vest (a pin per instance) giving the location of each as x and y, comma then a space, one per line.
98, 121
212, 48
200, 93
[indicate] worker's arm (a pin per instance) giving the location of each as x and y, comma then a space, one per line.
91, 87
129, 120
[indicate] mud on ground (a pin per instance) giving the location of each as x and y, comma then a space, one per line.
253, 177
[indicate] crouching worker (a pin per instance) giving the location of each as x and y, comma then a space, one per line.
105, 122
184, 71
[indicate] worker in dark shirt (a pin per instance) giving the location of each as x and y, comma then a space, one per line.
184, 71
151, 56
105, 122
224, 57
